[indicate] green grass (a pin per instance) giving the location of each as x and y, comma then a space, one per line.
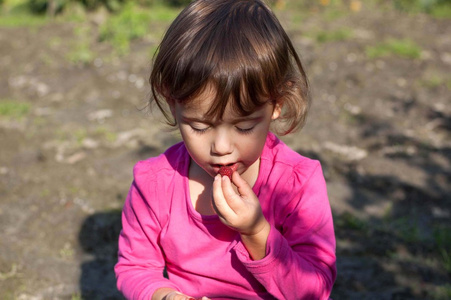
407, 229
435, 81
442, 292
106, 134
349, 221
16, 13
333, 36
81, 52
441, 11
402, 48
13, 109
132, 23
437, 8
80, 135
76, 297
21, 19
432, 81
162, 13
442, 239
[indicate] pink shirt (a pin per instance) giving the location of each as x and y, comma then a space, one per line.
203, 257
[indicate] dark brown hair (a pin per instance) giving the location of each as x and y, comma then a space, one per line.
240, 48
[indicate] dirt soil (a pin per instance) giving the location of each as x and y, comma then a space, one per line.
380, 126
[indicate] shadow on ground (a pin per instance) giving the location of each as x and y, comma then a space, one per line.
407, 249
98, 238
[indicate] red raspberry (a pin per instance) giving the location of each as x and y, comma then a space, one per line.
226, 171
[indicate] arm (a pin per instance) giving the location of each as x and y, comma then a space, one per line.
297, 263
139, 270
300, 258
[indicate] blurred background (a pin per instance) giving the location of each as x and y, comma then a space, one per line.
74, 121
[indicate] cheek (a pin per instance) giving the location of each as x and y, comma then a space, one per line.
252, 147
196, 146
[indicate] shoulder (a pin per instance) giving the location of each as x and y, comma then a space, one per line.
295, 181
159, 166
288, 162
153, 179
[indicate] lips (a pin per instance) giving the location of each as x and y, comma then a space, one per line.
233, 166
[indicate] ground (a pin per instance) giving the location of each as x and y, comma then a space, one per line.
71, 130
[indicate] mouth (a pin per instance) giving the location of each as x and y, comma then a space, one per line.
233, 166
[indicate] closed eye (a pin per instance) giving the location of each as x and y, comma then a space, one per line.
199, 129
245, 130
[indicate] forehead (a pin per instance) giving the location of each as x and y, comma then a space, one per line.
198, 106
201, 101
208, 104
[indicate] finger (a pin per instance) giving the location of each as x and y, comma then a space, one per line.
233, 199
174, 295
219, 202
244, 189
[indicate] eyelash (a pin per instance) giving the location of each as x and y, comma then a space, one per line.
241, 130
245, 130
199, 131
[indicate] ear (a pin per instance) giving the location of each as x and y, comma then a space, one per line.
277, 110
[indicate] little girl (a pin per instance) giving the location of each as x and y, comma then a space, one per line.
225, 72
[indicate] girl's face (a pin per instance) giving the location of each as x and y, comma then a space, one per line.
233, 141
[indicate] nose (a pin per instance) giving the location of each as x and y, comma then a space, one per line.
222, 143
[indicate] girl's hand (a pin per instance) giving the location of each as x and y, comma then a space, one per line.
170, 294
240, 211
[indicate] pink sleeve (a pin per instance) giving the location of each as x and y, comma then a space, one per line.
300, 261
139, 270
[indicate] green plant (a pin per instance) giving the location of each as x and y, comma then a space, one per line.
403, 48
442, 292
50, 7
17, 14
349, 221
76, 297
446, 259
105, 134
178, 2
334, 36
437, 8
442, 11
432, 81
131, 23
13, 109
407, 229
80, 134
163, 13
111, 5
442, 238
81, 52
